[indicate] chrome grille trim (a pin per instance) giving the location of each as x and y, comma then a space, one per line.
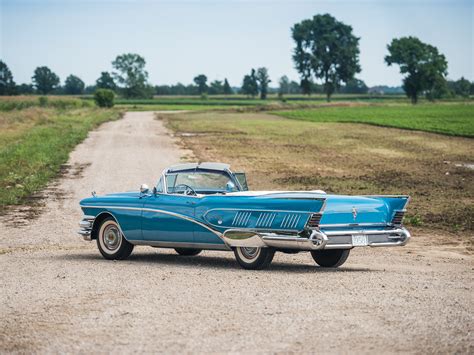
265, 219
397, 219
290, 220
314, 220
241, 218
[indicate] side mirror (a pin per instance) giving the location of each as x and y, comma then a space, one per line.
144, 188
230, 186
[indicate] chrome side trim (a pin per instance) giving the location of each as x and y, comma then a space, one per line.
390, 196
253, 210
367, 232
346, 225
177, 215
237, 219
162, 244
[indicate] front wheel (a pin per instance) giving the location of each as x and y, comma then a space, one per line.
187, 251
331, 257
254, 258
111, 242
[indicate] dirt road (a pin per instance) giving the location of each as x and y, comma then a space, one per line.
59, 294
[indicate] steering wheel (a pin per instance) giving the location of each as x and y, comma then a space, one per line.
188, 190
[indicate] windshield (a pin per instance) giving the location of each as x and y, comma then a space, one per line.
200, 181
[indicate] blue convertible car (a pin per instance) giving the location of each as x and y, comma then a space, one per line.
199, 206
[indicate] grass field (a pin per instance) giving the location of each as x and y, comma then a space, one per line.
343, 158
319, 146
35, 141
447, 118
10, 103
242, 103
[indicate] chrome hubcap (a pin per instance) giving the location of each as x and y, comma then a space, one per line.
111, 237
250, 253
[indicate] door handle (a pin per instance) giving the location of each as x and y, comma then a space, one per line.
190, 202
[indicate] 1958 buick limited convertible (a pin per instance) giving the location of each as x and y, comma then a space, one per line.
204, 206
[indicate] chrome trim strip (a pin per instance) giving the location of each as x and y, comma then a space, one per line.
158, 211
253, 210
366, 232
343, 225
390, 196
163, 244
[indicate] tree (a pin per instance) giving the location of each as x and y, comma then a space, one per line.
216, 88
45, 80
201, 82
25, 89
306, 86
423, 65
227, 89
250, 84
462, 87
263, 80
73, 85
471, 90
326, 49
90, 89
294, 87
441, 88
246, 88
131, 74
106, 81
7, 85
355, 86
284, 83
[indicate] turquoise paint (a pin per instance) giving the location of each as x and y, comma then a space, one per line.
180, 218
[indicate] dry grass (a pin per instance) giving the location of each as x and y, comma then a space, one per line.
342, 158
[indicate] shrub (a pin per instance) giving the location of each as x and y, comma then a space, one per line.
43, 101
104, 97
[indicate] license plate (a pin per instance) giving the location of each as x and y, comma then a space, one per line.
360, 240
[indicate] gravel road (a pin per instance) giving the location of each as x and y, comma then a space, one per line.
59, 294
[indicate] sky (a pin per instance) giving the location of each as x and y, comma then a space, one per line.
221, 39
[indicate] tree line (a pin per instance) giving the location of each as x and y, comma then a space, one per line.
326, 57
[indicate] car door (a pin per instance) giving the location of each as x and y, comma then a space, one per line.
168, 218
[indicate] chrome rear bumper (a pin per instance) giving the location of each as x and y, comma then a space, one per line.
86, 227
317, 240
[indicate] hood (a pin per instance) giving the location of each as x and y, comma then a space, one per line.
114, 198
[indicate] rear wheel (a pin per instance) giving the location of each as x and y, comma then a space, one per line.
111, 242
254, 258
331, 257
188, 251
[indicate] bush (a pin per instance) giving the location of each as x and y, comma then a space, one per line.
43, 101
104, 98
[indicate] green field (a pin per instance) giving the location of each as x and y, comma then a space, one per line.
447, 118
37, 134
36, 141
341, 158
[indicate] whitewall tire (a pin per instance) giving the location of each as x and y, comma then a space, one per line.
111, 242
254, 258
